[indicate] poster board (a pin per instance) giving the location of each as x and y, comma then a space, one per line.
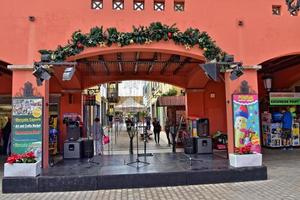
246, 121
27, 125
284, 98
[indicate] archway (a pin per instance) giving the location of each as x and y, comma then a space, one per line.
203, 97
280, 94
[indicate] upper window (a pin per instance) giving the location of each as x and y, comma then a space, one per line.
138, 5
118, 4
159, 5
97, 4
276, 10
179, 6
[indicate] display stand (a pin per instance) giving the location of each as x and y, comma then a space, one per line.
137, 162
145, 136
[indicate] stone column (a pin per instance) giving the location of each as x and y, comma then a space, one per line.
232, 87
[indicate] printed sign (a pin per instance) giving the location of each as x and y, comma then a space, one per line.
27, 125
284, 98
246, 122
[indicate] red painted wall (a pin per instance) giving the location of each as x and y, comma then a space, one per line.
6, 86
215, 107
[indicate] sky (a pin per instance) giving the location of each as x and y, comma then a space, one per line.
131, 88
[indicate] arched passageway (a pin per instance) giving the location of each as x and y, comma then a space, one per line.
279, 89
203, 97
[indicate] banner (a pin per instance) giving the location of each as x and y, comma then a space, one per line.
27, 125
246, 121
284, 98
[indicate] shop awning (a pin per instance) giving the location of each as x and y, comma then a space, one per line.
171, 101
130, 105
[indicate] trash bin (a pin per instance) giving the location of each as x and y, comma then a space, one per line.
203, 145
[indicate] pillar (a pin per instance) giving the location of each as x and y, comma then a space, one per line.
232, 87
195, 103
23, 74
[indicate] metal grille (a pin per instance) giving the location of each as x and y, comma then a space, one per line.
118, 4
138, 5
159, 5
276, 10
97, 4
179, 6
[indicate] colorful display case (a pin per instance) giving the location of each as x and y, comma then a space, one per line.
272, 132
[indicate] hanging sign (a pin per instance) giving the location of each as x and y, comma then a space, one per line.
27, 125
284, 98
246, 122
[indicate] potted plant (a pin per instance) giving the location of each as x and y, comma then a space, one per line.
244, 157
22, 165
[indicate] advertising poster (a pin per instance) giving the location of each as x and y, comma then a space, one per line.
27, 125
246, 122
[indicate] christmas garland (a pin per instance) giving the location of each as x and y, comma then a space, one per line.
140, 35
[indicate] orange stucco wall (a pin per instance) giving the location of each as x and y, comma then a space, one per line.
262, 36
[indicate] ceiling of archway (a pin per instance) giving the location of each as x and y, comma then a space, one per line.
280, 63
152, 66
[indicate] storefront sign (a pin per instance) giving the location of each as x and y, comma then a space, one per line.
284, 98
246, 121
27, 125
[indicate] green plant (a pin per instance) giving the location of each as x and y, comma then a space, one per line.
155, 32
171, 92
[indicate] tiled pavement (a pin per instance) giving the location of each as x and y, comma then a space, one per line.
283, 183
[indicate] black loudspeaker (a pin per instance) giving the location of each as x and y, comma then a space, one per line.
88, 148
212, 70
189, 147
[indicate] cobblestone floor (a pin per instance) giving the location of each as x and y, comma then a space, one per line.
283, 183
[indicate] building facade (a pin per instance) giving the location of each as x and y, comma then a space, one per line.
259, 40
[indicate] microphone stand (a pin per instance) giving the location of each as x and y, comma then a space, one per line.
137, 161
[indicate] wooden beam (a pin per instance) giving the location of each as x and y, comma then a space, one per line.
164, 69
136, 65
150, 67
284, 65
101, 58
119, 58
181, 65
274, 63
89, 66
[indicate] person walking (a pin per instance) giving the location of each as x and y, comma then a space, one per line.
156, 130
148, 123
98, 137
167, 130
287, 123
6, 135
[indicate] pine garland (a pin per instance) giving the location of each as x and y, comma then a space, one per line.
155, 32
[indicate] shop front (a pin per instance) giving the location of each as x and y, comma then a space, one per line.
279, 91
272, 120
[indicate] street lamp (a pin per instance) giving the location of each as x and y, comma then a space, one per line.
267, 82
